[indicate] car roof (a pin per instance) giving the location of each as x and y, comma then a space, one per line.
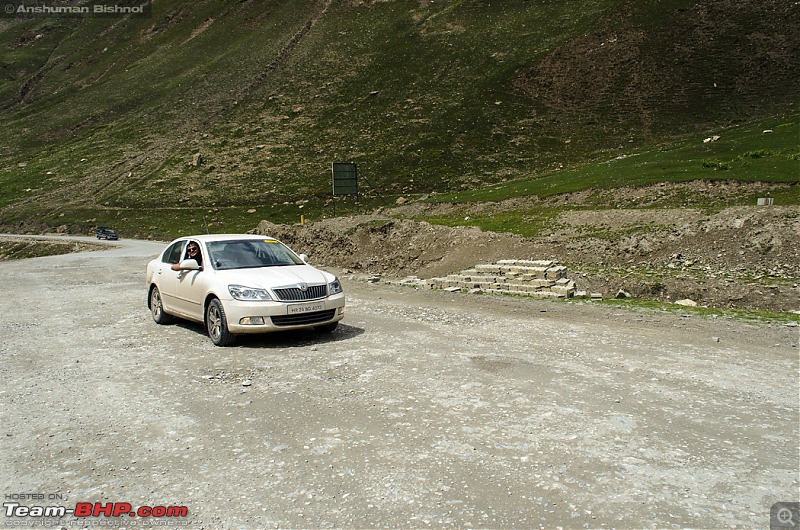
206, 238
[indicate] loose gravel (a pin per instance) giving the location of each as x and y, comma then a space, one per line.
423, 409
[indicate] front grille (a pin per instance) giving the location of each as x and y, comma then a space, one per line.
304, 319
294, 294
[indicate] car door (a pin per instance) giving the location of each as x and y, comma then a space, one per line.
190, 288
166, 278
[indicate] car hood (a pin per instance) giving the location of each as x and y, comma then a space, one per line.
272, 277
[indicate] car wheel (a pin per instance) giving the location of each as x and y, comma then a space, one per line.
327, 328
157, 307
217, 324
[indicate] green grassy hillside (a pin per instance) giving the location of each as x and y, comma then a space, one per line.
101, 116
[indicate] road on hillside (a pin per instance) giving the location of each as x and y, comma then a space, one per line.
423, 409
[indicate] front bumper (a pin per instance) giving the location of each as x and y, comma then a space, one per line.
277, 316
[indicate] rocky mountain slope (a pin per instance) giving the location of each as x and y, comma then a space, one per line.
425, 96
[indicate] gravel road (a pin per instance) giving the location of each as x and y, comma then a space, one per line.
423, 409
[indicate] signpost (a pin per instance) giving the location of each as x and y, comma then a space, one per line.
344, 181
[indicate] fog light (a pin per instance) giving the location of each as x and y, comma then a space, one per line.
341, 310
251, 321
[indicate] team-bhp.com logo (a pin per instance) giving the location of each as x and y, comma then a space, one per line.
94, 509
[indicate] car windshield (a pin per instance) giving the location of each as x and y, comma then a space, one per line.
252, 253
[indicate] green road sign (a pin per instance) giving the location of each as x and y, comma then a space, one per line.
345, 179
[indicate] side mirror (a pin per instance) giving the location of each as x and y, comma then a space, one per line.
189, 265
304, 258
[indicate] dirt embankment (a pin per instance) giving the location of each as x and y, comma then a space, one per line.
20, 248
744, 257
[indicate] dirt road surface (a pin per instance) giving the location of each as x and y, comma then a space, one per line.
424, 409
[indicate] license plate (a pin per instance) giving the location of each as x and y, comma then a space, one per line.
297, 309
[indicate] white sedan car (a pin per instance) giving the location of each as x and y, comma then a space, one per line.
241, 284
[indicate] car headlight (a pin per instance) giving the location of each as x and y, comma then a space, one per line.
334, 287
240, 292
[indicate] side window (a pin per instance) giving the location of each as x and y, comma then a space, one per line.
173, 254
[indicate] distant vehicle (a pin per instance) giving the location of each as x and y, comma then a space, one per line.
105, 232
241, 284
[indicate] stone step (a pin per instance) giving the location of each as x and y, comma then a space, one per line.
527, 263
500, 280
562, 290
553, 272
537, 294
535, 278
475, 278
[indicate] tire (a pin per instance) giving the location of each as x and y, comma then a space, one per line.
157, 308
327, 328
217, 324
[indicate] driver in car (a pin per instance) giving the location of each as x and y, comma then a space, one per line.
192, 252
